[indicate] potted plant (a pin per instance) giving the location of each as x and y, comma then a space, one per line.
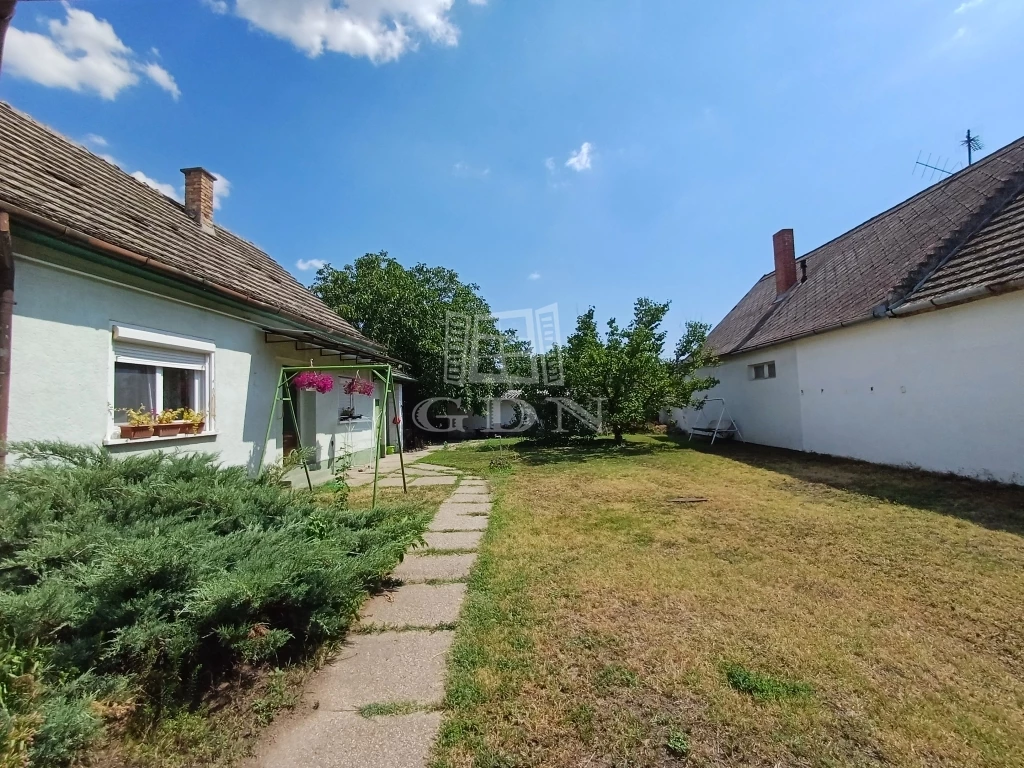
140, 423
194, 422
359, 386
311, 381
166, 424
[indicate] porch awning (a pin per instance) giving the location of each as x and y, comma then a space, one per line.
308, 341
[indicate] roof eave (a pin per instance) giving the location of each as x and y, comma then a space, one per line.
65, 232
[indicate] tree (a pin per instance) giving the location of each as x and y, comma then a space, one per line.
406, 310
626, 369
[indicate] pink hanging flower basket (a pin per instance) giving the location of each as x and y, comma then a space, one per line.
311, 381
359, 386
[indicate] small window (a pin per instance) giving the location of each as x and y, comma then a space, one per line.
763, 371
156, 379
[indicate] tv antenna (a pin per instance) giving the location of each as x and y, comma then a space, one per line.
973, 144
929, 167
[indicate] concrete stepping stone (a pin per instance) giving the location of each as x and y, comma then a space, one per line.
426, 567
452, 521
435, 480
416, 605
348, 740
469, 496
466, 508
435, 467
460, 540
388, 667
391, 482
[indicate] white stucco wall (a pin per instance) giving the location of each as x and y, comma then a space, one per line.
940, 391
766, 410
62, 365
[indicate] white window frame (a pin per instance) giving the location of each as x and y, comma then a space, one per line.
769, 368
142, 339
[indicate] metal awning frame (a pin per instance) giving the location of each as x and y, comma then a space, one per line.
283, 395
308, 341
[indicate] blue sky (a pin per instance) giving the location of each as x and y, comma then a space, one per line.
584, 152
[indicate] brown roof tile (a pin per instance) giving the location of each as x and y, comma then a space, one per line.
884, 260
52, 177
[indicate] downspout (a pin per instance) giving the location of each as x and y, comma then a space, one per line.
6, 277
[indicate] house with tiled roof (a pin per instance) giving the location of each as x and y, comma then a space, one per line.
900, 342
126, 299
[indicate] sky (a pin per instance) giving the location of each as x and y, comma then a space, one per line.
584, 152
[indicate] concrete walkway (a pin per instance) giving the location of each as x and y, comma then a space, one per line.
396, 657
363, 475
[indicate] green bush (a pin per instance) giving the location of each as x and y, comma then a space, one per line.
161, 573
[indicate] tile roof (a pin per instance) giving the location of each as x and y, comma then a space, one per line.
49, 176
968, 229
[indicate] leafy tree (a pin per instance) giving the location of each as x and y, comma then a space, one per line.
626, 370
405, 309
693, 357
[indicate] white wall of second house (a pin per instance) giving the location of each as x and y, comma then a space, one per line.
767, 411
62, 366
939, 390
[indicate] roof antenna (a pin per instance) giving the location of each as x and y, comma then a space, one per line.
973, 144
938, 166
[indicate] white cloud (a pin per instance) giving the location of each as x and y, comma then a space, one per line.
967, 5
221, 190
549, 163
467, 171
94, 140
81, 53
307, 264
534, 276
580, 160
380, 30
163, 78
167, 189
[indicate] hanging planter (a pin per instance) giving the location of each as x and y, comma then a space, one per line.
311, 381
359, 386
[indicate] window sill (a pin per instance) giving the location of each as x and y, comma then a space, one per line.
114, 441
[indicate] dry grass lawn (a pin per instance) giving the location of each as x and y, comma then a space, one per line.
867, 616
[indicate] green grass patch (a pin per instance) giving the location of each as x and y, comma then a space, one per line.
678, 744
763, 687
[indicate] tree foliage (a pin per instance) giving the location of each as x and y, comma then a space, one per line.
626, 368
405, 309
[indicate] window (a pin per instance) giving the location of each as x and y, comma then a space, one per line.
159, 378
763, 371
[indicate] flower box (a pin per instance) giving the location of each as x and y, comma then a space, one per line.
136, 432
166, 430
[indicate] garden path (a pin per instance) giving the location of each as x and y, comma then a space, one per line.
377, 705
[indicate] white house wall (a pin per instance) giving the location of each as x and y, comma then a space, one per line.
767, 410
940, 391
62, 367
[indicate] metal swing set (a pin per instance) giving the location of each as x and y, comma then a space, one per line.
283, 395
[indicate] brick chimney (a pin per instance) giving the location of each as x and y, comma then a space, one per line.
199, 196
785, 261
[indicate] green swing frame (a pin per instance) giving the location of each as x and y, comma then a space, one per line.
283, 395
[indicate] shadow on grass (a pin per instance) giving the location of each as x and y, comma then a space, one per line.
537, 454
993, 505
